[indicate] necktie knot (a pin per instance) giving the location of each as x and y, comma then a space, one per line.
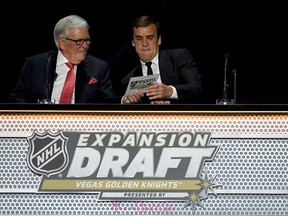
149, 69
70, 65
148, 64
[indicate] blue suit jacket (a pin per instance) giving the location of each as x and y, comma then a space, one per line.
177, 68
93, 84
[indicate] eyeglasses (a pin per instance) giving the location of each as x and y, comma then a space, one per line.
80, 41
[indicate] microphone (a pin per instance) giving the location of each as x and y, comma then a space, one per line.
47, 99
47, 84
227, 57
235, 82
225, 99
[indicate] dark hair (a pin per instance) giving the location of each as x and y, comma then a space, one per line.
145, 21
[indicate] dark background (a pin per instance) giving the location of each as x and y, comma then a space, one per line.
254, 35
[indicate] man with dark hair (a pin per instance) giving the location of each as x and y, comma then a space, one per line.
179, 80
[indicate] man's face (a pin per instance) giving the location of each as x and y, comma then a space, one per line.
146, 42
74, 48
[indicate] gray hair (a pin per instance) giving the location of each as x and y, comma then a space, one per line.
61, 29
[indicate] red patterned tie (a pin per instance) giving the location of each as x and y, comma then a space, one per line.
67, 92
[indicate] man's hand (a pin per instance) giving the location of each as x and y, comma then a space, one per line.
159, 91
160, 102
133, 98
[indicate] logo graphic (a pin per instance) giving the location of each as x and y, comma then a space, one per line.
125, 166
47, 153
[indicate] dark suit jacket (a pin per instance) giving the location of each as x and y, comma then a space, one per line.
38, 72
177, 68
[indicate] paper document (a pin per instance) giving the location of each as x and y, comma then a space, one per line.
141, 83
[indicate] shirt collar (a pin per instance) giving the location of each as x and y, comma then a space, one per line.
61, 58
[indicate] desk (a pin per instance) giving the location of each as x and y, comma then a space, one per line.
246, 175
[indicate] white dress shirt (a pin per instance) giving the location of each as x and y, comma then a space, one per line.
61, 70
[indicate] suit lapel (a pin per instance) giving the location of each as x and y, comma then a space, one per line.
81, 80
164, 65
138, 71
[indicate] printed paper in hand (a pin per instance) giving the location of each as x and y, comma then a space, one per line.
141, 83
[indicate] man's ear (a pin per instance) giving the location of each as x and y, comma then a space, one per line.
61, 43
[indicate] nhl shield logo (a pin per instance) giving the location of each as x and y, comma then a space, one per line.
47, 153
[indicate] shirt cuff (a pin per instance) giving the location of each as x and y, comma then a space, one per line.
174, 94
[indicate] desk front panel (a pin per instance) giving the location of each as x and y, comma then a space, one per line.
248, 174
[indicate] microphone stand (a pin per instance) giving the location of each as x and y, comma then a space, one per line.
235, 81
225, 79
47, 99
225, 100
